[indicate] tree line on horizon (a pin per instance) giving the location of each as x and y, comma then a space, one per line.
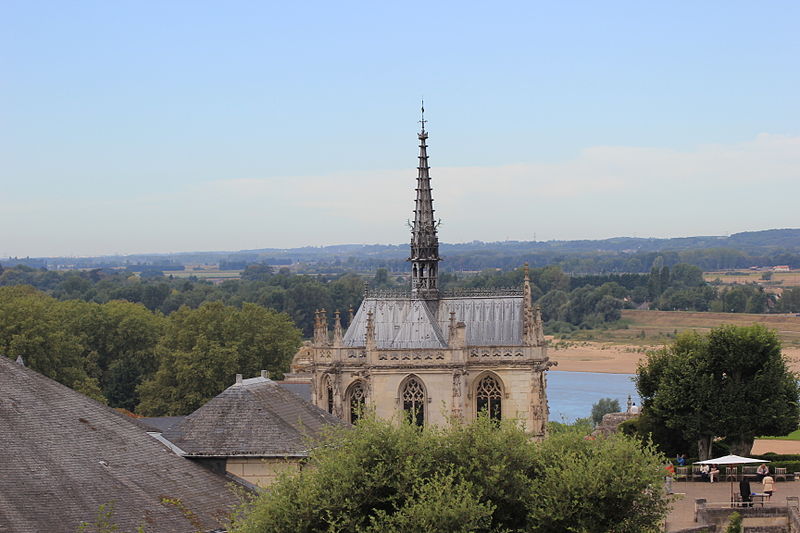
160, 345
567, 301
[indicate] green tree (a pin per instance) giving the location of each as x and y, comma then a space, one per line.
481, 477
603, 407
731, 383
553, 305
734, 523
32, 326
203, 349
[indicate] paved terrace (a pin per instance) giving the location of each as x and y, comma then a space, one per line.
717, 494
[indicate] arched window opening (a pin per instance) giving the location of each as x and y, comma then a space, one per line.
357, 399
413, 395
489, 397
329, 394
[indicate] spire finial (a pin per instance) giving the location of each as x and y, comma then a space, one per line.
423, 121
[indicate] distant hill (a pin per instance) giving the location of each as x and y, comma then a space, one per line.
618, 254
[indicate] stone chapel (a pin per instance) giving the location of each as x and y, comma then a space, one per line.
429, 354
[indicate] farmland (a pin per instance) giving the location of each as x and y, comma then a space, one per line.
777, 279
619, 350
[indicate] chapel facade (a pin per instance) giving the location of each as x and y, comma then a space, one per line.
427, 354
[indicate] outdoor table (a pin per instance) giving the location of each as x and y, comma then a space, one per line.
759, 497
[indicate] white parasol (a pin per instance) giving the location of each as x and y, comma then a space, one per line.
730, 460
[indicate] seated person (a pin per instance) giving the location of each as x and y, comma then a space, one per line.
762, 471
713, 473
682, 460
704, 472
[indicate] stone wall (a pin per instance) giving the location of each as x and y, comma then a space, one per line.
794, 520
261, 471
611, 421
754, 519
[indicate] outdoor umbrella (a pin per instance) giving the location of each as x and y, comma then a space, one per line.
730, 460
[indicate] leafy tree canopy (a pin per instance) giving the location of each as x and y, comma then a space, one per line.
603, 407
203, 349
481, 477
732, 383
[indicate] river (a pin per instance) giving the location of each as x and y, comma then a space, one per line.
572, 394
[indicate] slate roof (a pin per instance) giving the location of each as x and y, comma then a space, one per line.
300, 389
64, 455
407, 323
257, 418
159, 423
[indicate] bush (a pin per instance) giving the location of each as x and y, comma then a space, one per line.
482, 477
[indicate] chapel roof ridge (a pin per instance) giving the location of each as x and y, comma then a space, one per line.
401, 294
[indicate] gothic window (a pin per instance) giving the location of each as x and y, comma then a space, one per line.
413, 397
356, 398
489, 397
329, 394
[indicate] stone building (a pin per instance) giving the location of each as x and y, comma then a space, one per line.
431, 354
254, 430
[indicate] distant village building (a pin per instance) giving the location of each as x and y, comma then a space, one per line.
254, 430
428, 354
611, 421
781, 268
65, 455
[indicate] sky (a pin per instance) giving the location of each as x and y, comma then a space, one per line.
167, 126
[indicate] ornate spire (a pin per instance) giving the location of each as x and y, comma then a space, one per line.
370, 332
424, 241
320, 327
528, 321
337, 329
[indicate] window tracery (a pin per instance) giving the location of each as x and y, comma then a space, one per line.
413, 396
489, 397
357, 398
329, 394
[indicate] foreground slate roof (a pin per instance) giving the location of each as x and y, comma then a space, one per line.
254, 417
63, 455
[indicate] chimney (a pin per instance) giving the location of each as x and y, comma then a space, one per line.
265, 374
238, 379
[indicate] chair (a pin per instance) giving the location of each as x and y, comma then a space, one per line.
682, 472
749, 471
731, 472
737, 500
780, 473
696, 472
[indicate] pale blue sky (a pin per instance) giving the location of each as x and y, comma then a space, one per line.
174, 126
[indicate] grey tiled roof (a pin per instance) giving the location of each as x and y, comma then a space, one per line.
257, 417
63, 455
412, 323
160, 423
301, 389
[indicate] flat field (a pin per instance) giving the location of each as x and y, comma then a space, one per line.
779, 279
619, 350
206, 272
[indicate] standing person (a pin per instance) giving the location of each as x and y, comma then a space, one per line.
668, 477
682, 459
769, 486
762, 471
744, 490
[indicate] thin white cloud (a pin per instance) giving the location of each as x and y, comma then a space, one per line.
604, 191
